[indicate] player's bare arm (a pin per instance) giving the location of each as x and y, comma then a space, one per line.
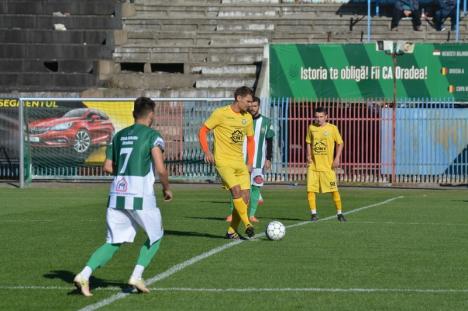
336, 161
309, 153
158, 161
108, 166
209, 158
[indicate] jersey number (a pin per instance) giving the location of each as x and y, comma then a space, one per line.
127, 152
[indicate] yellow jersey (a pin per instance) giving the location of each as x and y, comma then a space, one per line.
229, 129
322, 140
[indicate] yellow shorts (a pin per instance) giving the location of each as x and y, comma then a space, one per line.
234, 174
321, 182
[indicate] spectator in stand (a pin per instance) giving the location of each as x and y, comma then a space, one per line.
406, 8
445, 9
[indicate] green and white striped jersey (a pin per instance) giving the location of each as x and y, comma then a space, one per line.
263, 129
130, 152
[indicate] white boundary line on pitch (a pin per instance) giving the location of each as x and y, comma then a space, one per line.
252, 290
408, 223
216, 250
41, 220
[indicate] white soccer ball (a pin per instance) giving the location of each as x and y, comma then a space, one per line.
275, 230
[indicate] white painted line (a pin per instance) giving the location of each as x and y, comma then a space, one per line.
251, 290
408, 223
312, 289
41, 220
214, 251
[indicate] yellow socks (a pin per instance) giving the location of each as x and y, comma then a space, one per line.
234, 222
337, 200
241, 208
312, 202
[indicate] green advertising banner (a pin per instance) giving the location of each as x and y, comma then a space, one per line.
360, 71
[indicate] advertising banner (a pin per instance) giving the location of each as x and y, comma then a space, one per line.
362, 71
9, 138
63, 132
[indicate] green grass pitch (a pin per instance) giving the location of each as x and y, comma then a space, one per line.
407, 254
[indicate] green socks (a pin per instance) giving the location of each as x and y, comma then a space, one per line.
102, 255
254, 197
105, 253
253, 203
147, 252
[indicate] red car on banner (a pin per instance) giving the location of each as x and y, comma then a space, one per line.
79, 129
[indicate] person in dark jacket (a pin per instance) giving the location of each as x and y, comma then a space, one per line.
406, 8
445, 9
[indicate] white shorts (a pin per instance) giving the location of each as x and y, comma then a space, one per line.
122, 224
256, 177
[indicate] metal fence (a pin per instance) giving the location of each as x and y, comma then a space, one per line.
418, 141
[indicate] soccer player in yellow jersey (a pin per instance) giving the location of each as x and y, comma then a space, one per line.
322, 161
230, 125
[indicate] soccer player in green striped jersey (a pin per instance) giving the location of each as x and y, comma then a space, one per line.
132, 157
263, 137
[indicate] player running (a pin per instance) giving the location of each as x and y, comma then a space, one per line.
133, 155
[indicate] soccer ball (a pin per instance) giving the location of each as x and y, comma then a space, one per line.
275, 230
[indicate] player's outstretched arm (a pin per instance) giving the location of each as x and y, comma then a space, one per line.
158, 161
209, 158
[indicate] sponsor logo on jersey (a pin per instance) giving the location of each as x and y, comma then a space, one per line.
121, 185
320, 147
237, 136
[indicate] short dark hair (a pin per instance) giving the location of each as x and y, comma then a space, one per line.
142, 107
243, 91
256, 100
320, 110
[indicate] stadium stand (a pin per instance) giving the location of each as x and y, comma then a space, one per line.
207, 48
55, 45
178, 48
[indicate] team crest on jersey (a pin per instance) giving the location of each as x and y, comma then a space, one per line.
325, 133
258, 179
237, 136
121, 185
244, 121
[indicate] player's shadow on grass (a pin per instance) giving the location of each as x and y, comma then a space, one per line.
191, 234
67, 276
208, 218
216, 202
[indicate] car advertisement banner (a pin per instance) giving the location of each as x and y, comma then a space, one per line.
361, 71
76, 132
